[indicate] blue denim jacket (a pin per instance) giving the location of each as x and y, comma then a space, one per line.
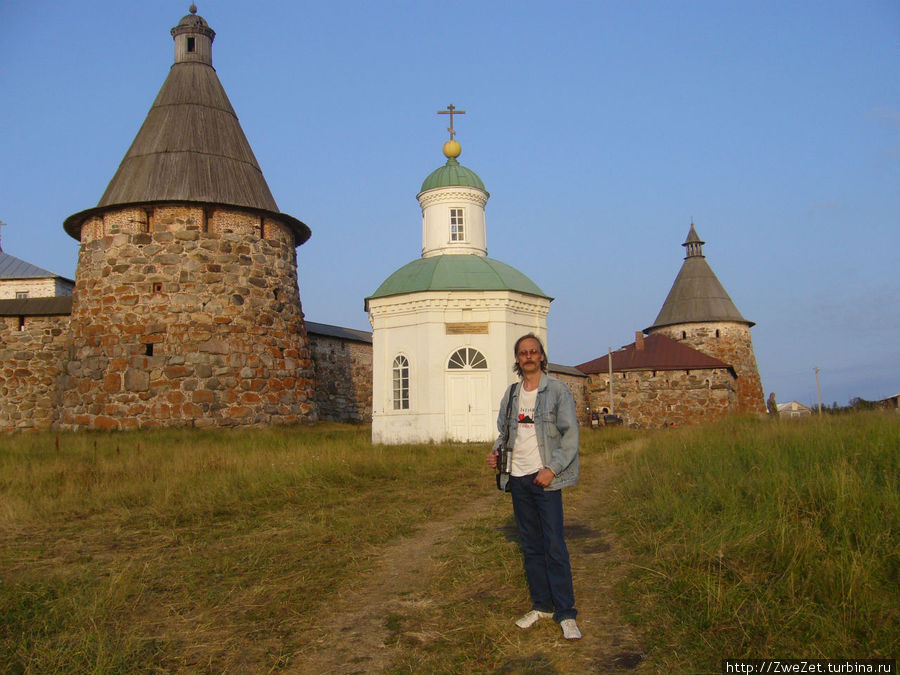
556, 427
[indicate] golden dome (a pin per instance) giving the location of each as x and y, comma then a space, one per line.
452, 149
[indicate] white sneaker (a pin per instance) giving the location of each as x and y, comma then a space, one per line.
570, 629
532, 618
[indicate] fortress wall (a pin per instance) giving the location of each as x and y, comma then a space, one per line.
578, 386
654, 399
30, 358
343, 378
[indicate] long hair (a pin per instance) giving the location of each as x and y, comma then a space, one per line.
516, 369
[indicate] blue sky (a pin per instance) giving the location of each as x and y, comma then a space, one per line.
600, 129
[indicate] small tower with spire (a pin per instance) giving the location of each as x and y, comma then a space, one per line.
699, 312
452, 199
186, 309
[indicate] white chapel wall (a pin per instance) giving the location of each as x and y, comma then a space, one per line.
416, 326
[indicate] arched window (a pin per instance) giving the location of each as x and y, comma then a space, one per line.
401, 383
466, 358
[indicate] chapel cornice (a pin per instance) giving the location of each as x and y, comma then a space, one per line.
398, 305
430, 198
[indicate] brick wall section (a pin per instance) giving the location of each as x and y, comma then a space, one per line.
343, 378
730, 342
186, 316
654, 399
29, 366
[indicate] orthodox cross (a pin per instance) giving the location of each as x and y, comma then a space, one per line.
451, 110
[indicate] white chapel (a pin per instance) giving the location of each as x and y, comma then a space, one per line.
444, 325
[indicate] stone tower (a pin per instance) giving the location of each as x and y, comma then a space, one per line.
444, 325
699, 313
186, 309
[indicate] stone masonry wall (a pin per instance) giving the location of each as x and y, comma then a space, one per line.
729, 342
185, 316
578, 386
343, 378
30, 358
654, 399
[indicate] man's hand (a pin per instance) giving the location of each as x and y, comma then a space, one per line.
544, 477
492, 459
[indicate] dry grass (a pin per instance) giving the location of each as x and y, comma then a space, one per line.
259, 551
206, 550
761, 539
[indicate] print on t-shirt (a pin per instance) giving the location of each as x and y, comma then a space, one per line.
526, 455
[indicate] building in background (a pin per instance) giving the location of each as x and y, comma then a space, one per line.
793, 409
696, 363
699, 313
20, 280
659, 382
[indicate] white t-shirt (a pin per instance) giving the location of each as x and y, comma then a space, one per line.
526, 456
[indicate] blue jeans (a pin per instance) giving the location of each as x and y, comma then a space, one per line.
539, 517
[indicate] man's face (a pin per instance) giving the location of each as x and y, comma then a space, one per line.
529, 356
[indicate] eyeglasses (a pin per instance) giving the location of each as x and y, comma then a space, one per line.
529, 352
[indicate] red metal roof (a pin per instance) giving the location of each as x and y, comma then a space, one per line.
659, 353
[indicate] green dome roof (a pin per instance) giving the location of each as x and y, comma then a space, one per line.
450, 175
456, 273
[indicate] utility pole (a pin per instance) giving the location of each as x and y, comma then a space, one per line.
818, 390
612, 404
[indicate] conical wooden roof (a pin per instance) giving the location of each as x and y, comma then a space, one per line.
697, 296
191, 147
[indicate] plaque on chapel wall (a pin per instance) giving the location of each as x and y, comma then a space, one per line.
466, 328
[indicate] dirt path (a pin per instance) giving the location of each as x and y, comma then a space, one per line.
353, 637
598, 564
395, 586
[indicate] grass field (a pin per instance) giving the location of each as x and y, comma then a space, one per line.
235, 551
762, 539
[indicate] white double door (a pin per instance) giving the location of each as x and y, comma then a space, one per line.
469, 406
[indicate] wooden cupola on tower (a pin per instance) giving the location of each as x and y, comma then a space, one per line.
699, 312
186, 308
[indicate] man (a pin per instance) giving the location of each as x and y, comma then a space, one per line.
543, 435
772, 406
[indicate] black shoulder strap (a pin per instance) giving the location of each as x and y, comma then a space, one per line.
509, 398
